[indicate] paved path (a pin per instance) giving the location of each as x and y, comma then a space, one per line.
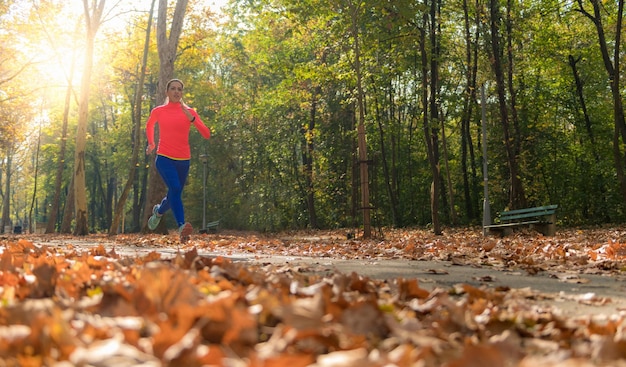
573, 294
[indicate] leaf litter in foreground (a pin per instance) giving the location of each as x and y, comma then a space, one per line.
63, 305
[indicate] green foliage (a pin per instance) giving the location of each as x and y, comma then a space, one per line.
275, 82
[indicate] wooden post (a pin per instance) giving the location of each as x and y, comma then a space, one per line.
486, 208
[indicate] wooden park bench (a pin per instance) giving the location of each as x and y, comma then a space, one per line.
210, 227
541, 218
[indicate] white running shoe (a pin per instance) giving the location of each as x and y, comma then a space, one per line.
155, 218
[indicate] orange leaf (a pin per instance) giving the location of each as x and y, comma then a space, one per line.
297, 360
409, 288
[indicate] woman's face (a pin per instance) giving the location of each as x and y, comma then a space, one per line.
175, 91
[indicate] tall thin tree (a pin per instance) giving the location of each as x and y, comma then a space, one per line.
517, 197
167, 48
58, 180
355, 8
119, 207
468, 160
430, 91
93, 19
613, 69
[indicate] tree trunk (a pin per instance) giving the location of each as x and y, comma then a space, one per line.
167, 47
446, 159
68, 212
618, 107
35, 174
589, 132
363, 162
516, 195
613, 70
469, 96
617, 157
307, 159
431, 108
121, 203
393, 198
92, 21
140, 194
583, 106
468, 158
354, 197
517, 141
58, 180
6, 202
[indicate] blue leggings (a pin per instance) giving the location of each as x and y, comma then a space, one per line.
174, 173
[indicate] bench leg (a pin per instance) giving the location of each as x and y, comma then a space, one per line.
552, 226
501, 232
547, 229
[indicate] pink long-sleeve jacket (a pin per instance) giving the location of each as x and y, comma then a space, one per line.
174, 129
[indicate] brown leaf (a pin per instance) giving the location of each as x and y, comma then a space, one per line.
438, 271
364, 318
6, 261
46, 281
489, 245
118, 301
303, 313
291, 360
485, 355
165, 289
409, 288
485, 278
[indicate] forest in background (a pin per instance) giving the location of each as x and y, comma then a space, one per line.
321, 111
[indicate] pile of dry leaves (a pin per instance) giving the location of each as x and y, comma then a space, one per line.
71, 305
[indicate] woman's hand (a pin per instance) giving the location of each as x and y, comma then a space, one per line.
186, 110
150, 149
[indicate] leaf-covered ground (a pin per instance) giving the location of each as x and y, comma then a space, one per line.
68, 304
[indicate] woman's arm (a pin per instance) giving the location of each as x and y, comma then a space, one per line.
150, 132
195, 119
200, 126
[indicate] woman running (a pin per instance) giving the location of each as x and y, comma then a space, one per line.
173, 152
